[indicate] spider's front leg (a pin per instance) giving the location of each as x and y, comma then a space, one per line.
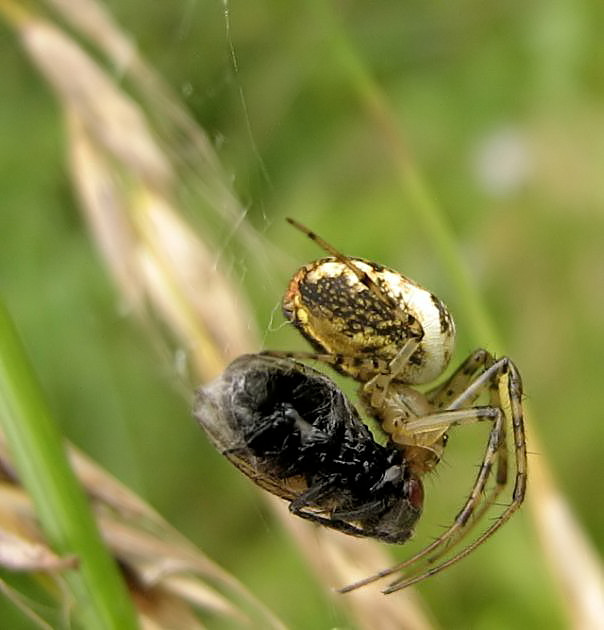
382, 372
376, 389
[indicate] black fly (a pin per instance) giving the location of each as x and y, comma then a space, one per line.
293, 432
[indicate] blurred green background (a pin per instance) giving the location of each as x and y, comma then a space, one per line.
502, 108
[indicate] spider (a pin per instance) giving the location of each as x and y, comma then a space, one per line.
390, 335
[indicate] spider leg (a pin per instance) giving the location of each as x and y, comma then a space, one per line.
377, 387
334, 360
413, 325
324, 357
477, 504
498, 387
440, 396
452, 418
501, 475
503, 380
345, 260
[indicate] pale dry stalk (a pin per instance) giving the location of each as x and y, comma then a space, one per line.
168, 277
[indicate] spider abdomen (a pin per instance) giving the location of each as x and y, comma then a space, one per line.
340, 314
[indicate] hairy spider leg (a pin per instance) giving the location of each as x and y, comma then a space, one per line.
501, 377
345, 260
498, 391
377, 386
509, 386
330, 359
441, 396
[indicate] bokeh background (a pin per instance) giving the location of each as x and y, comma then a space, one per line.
502, 110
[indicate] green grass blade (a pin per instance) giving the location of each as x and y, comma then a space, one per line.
100, 596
